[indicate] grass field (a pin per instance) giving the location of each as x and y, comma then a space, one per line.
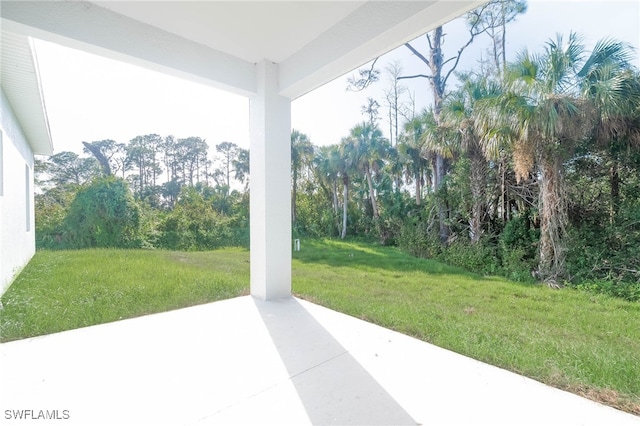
63, 290
587, 344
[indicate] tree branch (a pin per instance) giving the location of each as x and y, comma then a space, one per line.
448, 60
457, 60
370, 76
472, 35
418, 54
97, 153
403, 77
429, 41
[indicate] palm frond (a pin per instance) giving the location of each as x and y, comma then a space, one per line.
607, 51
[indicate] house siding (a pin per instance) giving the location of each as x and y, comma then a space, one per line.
17, 228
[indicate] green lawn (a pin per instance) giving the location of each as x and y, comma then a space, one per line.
572, 340
576, 341
63, 290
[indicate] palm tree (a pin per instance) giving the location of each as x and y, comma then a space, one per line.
410, 148
438, 144
612, 87
326, 171
459, 113
394, 166
301, 155
547, 116
344, 165
241, 165
365, 147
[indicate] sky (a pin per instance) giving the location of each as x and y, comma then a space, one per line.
91, 98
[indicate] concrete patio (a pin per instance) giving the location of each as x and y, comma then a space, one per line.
246, 361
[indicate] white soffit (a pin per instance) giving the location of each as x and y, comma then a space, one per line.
21, 84
219, 42
249, 30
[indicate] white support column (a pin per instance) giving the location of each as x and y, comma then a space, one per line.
270, 118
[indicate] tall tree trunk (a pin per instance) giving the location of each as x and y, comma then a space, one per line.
553, 221
418, 178
294, 196
391, 124
153, 166
336, 205
438, 85
372, 195
335, 196
614, 182
142, 172
345, 197
168, 167
478, 182
97, 152
503, 191
503, 41
438, 178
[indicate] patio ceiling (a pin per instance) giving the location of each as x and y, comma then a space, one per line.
219, 42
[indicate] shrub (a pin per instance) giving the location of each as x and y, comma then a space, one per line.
517, 265
104, 214
194, 225
518, 248
51, 208
480, 258
419, 238
623, 289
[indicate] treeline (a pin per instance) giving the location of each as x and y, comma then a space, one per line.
152, 192
532, 173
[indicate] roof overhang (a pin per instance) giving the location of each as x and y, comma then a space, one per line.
219, 42
20, 82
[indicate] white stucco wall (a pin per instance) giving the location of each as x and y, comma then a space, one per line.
17, 230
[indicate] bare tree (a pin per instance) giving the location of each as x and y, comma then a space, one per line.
441, 69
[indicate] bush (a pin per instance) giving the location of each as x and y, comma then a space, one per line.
519, 233
480, 258
419, 238
623, 289
194, 225
104, 214
51, 208
513, 254
517, 265
518, 248
603, 257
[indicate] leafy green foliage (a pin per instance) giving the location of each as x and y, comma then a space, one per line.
480, 257
104, 214
51, 207
605, 236
511, 255
194, 224
605, 259
517, 243
67, 168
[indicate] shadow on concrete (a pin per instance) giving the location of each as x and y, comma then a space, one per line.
333, 387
